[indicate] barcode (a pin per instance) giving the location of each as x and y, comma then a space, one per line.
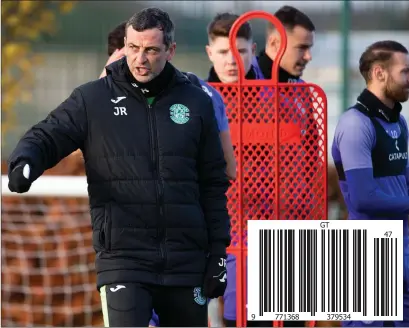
325, 270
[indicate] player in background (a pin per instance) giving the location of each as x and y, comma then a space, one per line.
300, 40
370, 150
300, 32
116, 49
224, 67
225, 70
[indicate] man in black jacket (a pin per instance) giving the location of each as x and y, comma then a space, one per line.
156, 180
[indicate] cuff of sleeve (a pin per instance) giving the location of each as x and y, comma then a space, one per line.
218, 249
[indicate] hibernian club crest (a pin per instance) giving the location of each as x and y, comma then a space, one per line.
179, 113
198, 296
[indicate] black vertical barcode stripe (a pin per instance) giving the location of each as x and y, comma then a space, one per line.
265, 266
308, 271
261, 271
354, 269
328, 298
291, 288
383, 295
335, 297
396, 277
312, 310
341, 272
280, 302
304, 270
359, 271
299, 270
392, 251
387, 279
376, 278
315, 279
338, 257
268, 271
286, 273
354, 238
265, 296
323, 274
333, 271
314, 271
345, 292
365, 290
280, 270
274, 270
304, 265
301, 273
328, 275
338, 273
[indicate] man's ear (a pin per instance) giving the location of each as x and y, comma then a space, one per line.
209, 52
274, 42
379, 73
172, 50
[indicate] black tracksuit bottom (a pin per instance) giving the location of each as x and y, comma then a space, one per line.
131, 305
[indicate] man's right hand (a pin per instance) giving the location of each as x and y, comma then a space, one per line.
19, 178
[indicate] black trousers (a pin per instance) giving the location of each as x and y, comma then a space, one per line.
232, 323
131, 305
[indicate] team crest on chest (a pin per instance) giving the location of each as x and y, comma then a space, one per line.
179, 113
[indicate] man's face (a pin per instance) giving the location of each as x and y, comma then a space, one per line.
146, 54
222, 58
396, 85
298, 52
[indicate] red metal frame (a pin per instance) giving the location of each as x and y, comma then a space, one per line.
237, 115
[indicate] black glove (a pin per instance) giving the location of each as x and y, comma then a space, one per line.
215, 281
19, 178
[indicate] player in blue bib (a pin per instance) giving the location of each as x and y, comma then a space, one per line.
370, 150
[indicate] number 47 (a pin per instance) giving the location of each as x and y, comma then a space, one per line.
388, 233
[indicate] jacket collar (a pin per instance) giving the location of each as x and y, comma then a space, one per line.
120, 73
214, 78
377, 108
266, 64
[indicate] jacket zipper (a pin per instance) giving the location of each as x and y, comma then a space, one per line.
107, 228
159, 187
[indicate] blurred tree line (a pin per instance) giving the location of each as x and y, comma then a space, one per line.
23, 23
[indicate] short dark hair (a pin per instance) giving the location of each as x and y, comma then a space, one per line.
291, 17
379, 52
116, 38
150, 18
222, 23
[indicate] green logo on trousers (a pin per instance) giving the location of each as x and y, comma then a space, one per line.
198, 297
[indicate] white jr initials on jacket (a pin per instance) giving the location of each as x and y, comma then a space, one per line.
120, 111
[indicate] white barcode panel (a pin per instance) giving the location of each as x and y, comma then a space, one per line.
325, 270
